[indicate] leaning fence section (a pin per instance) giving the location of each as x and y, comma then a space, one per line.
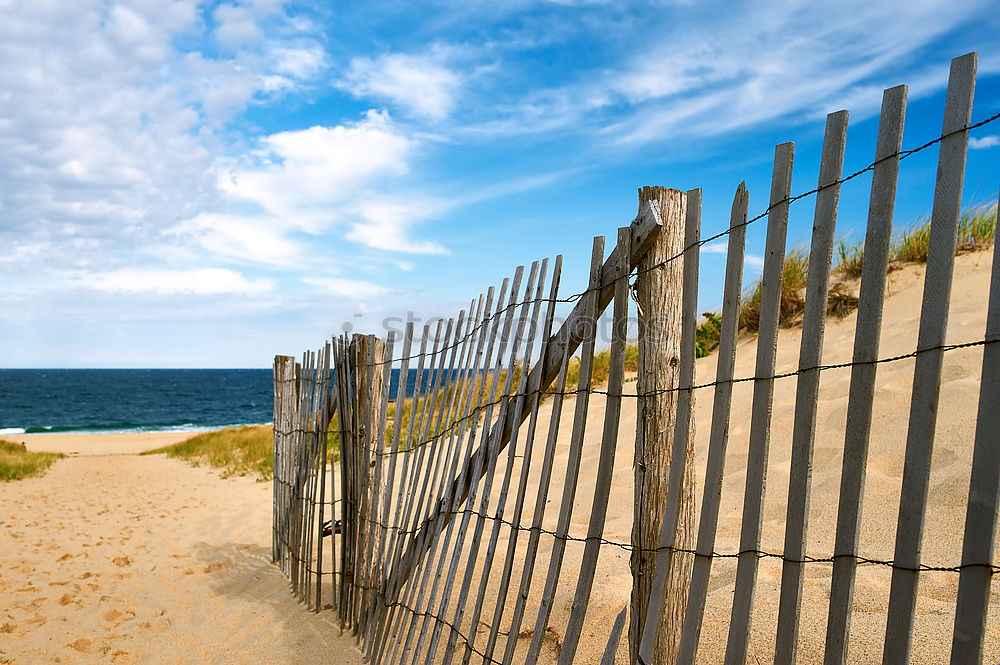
456, 492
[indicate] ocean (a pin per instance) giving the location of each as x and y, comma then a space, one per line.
140, 400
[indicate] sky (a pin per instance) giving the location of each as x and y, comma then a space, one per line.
208, 184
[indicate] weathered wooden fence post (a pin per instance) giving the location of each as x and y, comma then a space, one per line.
659, 289
367, 366
284, 401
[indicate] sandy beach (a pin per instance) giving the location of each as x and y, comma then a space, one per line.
112, 557
116, 558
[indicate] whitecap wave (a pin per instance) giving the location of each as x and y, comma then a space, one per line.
11, 430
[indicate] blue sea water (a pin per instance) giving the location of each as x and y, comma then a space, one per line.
143, 400
94, 400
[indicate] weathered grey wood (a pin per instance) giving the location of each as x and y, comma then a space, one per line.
862, 391
719, 437
927, 370
504, 412
590, 310
616, 635
427, 492
283, 376
763, 393
807, 387
533, 397
322, 476
346, 401
391, 509
476, 392
473, 369
478, 473
984, 490
659, 636
381, 363
541, 501
414, 451
645, 229
405, 474
519, 400
606, 461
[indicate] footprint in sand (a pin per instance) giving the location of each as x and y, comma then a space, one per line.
7, 628
122, 561
123, 658
83, 645
118, 617
157, 625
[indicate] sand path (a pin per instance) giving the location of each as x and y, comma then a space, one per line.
128, 559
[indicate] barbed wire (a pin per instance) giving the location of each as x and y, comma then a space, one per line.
478, 410
629, 547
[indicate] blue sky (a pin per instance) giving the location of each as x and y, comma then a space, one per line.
202, 184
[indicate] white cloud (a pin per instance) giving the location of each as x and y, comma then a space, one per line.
315, 180
349, 288
420, 84
298, 62
977, 143
204, 281
704, 72
109, 130
385, 225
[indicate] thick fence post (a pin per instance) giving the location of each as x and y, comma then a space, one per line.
367, 366
285, 390
659, 289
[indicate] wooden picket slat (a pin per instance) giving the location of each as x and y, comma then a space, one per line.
984, 494
488, 479
807, 387
606, 461
709, 521
862, 391
591, 310
485, 333
927, 371
520, 398
763, 395
484, 475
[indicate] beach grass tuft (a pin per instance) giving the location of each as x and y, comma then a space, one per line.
238, 451
17, 463
794, 272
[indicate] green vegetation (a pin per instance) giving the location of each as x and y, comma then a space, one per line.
238, 451
794, 273
17, 463
976, 230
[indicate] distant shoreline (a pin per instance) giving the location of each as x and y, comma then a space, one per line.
85, 444
7, 432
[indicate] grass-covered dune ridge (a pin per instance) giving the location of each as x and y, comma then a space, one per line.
17, 463
238, 451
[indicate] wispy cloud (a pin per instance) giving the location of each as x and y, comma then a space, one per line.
420, 84
978, 143
349, 288
205, 281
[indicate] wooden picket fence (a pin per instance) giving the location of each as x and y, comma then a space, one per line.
424, 521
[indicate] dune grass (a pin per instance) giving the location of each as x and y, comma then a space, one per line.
17, 463
238, 451
976, 230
